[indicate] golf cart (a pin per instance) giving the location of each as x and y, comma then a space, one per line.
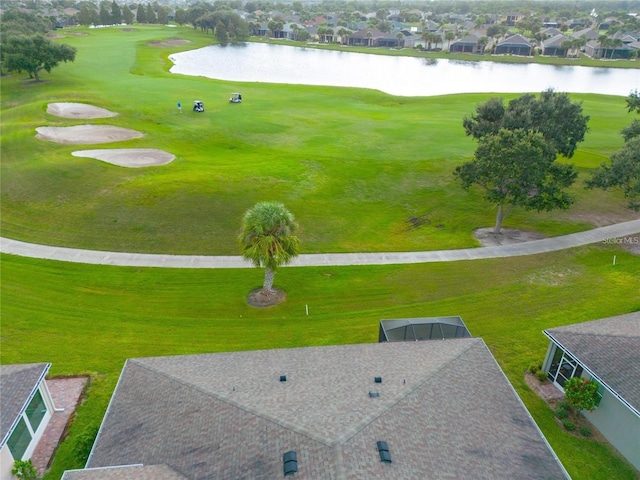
198, 106
235, 98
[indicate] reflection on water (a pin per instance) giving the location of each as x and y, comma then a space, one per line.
403, 76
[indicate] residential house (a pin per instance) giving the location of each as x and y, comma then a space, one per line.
595, 49
553, 46
430, 409
514, 45
27, 407
510, 19
468, 44
366, 37
608, 351
586, 33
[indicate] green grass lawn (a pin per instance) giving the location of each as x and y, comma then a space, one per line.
353, 165
89, 319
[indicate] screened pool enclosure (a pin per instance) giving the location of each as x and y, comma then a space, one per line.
413, 329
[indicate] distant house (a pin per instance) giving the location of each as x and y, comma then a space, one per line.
553, 46
586, 33
595, 49
510, 19
366, 37
27, 407
608, 351
468, 44
401, 410
514, 45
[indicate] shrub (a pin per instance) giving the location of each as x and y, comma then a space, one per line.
561, 413
564, 404
535, 368
542, 375
582, 393
585, 431
569, 425
85, 443
24, 470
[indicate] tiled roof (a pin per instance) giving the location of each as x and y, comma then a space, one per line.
444, 407
17, 384
135, 472
515, 40
555, 41
610, 348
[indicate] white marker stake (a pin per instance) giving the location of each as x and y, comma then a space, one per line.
306, 307
614, 259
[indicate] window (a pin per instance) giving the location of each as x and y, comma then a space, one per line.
36, 410
563, 367
19, 440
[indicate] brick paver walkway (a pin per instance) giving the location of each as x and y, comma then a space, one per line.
66, 394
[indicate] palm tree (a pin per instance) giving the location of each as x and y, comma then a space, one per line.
448, 37
267, 239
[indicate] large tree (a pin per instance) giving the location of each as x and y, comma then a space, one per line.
36, 53
268, 239
517, 168
560, 121
624, 169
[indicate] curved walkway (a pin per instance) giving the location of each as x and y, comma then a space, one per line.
15, 247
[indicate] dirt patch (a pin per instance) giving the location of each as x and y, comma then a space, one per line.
508, 236
86, 134
170, 42
129, 157
54, 35
78, 110
78, 34
259, 298
602, 219
128, 29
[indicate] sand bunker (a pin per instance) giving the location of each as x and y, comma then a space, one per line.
170, 42
78, 110
129, 157
86, 134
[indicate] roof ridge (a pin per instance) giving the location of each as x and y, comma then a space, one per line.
595, 334
370, 419
270, 418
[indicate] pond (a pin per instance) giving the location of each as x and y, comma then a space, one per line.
395, 75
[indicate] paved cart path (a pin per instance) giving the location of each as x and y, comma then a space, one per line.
602, 234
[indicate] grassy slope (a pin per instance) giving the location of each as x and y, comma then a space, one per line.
91, 318
353, 165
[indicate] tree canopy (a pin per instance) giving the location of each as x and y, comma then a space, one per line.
35, 53
560, 121
268, 238
518, 168
624, 169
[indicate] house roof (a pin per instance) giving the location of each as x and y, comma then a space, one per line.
129, 472
515, 40
555, 41
18, 384
443, 407
610, 349
468, 40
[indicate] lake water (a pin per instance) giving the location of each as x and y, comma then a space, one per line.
402, 76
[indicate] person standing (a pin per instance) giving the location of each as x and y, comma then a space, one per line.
179, 107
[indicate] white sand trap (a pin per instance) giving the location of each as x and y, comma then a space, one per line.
129, 157
78, 110
86, 134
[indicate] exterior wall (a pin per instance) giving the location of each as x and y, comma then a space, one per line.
619, 425
6, 458
6, 464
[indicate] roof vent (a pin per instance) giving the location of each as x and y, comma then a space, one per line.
290, 460
283, 378
378, 379
383, 449
374, 393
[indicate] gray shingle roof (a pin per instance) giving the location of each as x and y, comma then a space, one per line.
515, 40
17, 385
610, 348
445, 408
135, 472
